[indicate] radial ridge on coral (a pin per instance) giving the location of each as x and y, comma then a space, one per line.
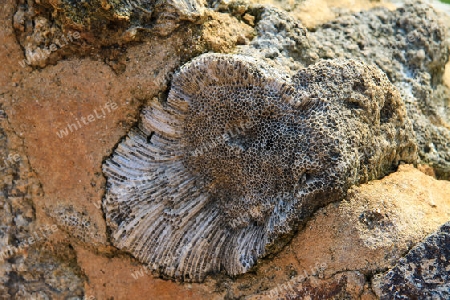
241, 154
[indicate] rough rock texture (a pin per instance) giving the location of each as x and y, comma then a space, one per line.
447, 75
124, 278
24, 241
48, 108
418, 205
411, 46
119, 18
65, 168
424, 273
240, 155
366, 234
345, 285
279, 40
61, 277
127, 56
313, 13
49, 31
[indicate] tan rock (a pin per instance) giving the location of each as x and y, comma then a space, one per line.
123, 278
369, 231
222, 32
64, 130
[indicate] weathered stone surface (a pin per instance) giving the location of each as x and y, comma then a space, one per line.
447, 75
29, 267
313, 13
124, 278
424, 273
345, 285
49, 31
44, 272
46, 179
96, 16
280, 40
374, 227
38, 103
67, 151
410, 45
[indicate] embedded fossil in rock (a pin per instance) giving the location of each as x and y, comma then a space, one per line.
410, 44
188, 213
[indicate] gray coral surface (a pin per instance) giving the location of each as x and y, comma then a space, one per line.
241, 154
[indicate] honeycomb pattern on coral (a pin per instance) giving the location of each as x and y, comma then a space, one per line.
410, 44
241, 154
79, 224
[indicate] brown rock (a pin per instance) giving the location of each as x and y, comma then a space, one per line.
72, 114
376, 224
64, 130
223, 32
122, 278
369, 231
345, 285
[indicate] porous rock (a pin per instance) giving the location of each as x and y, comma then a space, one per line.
280, 40
241, 154
410, 44
423, 273
164, 14
45, 29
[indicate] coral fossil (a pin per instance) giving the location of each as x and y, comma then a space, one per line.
273, 150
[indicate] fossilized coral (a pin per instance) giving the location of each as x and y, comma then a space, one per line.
410, 45
308, 138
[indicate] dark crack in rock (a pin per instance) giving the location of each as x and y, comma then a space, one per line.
424, 273
410, 45
241, 155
